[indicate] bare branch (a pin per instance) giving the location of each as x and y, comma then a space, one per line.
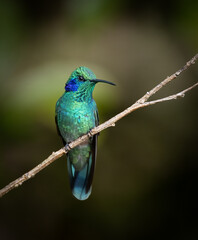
168, 79
172, 97
142, 102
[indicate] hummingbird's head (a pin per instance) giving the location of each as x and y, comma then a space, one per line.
82, 80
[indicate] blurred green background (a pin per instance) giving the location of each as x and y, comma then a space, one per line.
146, 180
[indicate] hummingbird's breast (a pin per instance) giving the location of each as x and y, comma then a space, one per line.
75, 118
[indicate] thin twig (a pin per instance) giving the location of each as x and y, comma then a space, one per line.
142, 102
173, 97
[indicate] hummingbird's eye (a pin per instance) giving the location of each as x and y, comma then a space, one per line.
81, 78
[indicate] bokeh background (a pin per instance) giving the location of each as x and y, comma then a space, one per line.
145, 183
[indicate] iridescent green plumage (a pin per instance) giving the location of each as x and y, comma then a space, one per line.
76, 115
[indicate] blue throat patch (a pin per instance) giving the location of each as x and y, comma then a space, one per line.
71, 86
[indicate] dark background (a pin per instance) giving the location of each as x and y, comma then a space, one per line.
145, 183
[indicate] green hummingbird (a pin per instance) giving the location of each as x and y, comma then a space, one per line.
76, 115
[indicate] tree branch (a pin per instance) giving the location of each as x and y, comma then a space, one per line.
142, 102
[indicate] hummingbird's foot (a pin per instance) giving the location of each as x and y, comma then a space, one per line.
67, 147
90, 134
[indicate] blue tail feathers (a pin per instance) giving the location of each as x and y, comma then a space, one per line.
81, 180
81, 176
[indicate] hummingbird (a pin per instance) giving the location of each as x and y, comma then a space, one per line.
76, 114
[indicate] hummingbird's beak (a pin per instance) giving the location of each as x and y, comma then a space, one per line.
99, 80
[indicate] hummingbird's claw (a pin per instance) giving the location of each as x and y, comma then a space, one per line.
90, 134
67, 147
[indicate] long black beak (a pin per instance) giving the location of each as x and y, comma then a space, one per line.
99, 80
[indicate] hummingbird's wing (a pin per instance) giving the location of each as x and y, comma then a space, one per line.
58, 131
81, 178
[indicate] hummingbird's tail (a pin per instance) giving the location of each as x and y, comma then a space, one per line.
81, 178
